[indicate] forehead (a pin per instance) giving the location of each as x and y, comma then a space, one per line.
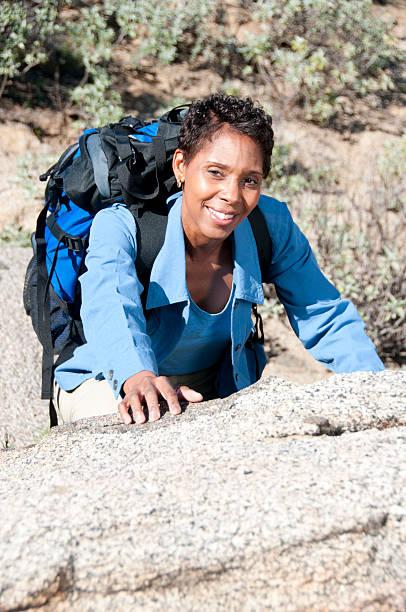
227, 146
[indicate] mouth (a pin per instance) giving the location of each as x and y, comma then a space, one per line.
220, 217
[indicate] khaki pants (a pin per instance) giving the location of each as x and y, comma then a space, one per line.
92, 398
95, 397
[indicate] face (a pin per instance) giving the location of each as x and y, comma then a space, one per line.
221, 186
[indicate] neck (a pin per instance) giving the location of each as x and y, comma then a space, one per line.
209, 251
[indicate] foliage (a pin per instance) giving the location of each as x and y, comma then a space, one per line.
287, 178
92, 40
319, 53
25, 29
324, 50
14, 235
29, 167
33, 33
392, 168
165, 30
361, 249
100, 102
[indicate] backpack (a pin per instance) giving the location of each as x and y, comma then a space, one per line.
131, 162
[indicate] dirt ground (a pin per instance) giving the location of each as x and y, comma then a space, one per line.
32, 139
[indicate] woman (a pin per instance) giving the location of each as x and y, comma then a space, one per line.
190, 343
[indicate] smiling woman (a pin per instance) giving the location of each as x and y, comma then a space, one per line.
192, 339
217, 196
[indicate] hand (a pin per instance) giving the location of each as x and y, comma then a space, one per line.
145, 389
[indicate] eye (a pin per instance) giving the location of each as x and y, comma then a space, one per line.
214, 172
251, 181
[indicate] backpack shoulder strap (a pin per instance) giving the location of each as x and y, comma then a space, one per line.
262, 238
151, 230
264, 248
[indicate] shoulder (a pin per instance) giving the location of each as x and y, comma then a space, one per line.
114, 225
290, 246
273, 209
117, 215
281, 227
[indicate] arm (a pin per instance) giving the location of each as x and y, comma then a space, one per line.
114, 321
112, 314
328, 326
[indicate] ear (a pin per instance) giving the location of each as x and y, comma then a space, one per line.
178, 165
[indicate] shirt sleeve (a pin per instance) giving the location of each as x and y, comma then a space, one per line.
111, 312
328, 325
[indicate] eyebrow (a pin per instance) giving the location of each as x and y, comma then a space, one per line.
216, 163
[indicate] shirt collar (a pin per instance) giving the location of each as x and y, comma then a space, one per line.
168, 275
247, 273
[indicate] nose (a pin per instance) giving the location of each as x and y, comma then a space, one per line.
231, 190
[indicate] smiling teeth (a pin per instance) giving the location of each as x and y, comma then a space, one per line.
220, 215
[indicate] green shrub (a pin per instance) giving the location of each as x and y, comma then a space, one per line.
326, 51
92, 40
165, 30
29, 168
13, 235
33, 32
392, 169
367, 268
288, 179
26, 29
360, 247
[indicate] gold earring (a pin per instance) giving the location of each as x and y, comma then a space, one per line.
180, 182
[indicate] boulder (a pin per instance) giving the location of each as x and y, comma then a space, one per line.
282, 496
24, 418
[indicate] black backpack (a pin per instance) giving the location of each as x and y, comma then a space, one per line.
131, 162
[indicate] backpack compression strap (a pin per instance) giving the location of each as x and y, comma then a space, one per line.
262, 238
264, 248
43, 305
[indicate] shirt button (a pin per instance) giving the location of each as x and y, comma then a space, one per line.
237, 348
236, 377
110, 374
115, 383
235, 305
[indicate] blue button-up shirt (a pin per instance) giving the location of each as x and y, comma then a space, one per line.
119, 334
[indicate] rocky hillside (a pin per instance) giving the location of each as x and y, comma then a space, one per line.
280, 497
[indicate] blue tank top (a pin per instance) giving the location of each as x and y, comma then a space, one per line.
204, 338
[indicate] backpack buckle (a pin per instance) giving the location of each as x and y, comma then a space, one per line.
74, 243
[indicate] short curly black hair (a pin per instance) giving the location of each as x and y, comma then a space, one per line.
207, 116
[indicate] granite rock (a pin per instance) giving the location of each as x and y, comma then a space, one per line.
283, 496
23, 416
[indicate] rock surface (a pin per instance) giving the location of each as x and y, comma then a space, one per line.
280, 497
24, 417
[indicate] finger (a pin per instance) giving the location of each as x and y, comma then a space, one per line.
189, 394
138, 410
123, 410
132, 401
152, 401
170, 395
